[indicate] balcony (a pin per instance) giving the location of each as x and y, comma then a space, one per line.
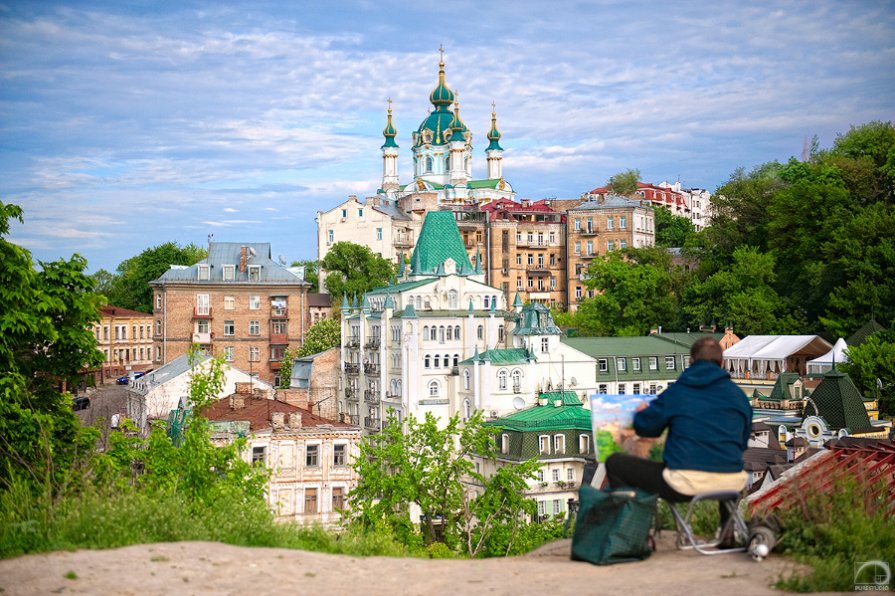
351, 393
587, 255
354, 418
538, 269
279, 312
371, 396
275, 365
201, 338
371, 423
351, 368
402, 242
279, 338
396, 396
372, 344
371, 369
201, 313
353, 342
588, 232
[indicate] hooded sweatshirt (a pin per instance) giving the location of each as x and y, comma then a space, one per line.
708, 417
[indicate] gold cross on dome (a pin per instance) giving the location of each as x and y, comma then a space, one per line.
441, 51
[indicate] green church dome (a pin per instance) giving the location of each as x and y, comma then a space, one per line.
494, 133
389, 131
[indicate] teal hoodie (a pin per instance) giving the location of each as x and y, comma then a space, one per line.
708, 418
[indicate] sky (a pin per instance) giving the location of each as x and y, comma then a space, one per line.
124, 125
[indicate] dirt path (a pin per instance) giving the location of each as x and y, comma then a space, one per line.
211, 568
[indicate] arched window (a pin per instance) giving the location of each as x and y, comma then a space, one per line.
419, 302
486, 303
457, 332
428, 163
437, 359
494, 301
450, 333
447, 162
434, 335
453, 299
433, 389
517, 380
428, 303
467, 409
441, 334
502, 380
426, 332
456, 359
500, 333
481, 332
466, 379
426, 361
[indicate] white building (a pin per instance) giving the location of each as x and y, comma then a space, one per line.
699, 201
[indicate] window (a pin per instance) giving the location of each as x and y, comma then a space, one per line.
517, 380
158, 301
557, 506
559, 445
653, 363
570, 475
229, 328
229, 352
544, 444
540, 475
622, 222
502, 380
518, 258
621, 388
481, 332
590, 247
436, 360
504, 443
542, 508
338, 498
486, 302
669, 363
433, 389
254, 272
254, 327
276, 354
636, 389
312, 456
457, 332
255, 302
310, 500
202, 305
339, 455
259, 455
158, 352
577, 248
531, 259
577, 225
652, 388
204, 272
603, 365
621, 364
428, 164
433, 335
330, 237
602, 389
344, 213
254, 354
500, 333
202, 326
622, 244
378, 233
545, 345
555, 475
584, 444
229, 272
453, 299
578, 292
635, 364
610, 245
466, 379
610, 223
426, 361
360, 212
278, 327
552, 237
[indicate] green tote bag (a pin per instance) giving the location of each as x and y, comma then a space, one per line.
612, 526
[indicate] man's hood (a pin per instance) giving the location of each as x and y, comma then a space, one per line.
702, 373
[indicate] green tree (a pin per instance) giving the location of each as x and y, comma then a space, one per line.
672, 230
323, 335
45, 340
624, 183
310, 273
427, 465
131, 288
872, 367
353, 269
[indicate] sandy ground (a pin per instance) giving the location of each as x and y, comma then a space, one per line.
211, 568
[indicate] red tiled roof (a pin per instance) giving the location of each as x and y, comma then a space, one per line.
117, 311
258, 410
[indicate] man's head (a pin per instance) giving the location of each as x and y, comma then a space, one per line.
707, 348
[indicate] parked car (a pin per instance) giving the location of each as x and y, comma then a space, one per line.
129, 377
80, 402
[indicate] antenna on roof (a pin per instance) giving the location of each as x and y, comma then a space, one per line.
210, 238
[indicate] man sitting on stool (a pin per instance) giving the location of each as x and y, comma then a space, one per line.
709, 422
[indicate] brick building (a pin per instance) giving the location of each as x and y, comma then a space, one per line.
238, 303
125, 339
600, 226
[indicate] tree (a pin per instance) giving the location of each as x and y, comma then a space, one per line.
427, 465
870, 366
45, 340
323, 335
310, 272
131, 288
353, 269
624, 183
672, 230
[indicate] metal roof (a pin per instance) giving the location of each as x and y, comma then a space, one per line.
230, 253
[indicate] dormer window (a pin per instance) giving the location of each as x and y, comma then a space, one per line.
204, 272
254, 272
229, 272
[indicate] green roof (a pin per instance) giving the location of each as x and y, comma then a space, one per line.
687, 339
402, 287
489, 183
502, 356
840, 403
781, 387
438, 241
645, 345
570, 414
861, 335
536, 320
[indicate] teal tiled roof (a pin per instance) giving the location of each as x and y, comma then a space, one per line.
402, 287
536, 320
438, 241
840, 403
569, 415
500, 357
488, 183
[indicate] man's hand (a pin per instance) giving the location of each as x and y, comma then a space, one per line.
643, 405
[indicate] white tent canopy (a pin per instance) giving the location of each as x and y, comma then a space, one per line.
760, 354
824, 363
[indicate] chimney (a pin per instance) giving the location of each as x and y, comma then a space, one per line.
244, 388
542, 401
243, 258
278, 420
237, 401
295, 420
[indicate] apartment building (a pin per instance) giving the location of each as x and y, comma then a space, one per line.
125, 339
599, 226
238, 303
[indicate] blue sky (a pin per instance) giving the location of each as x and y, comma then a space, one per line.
125, 125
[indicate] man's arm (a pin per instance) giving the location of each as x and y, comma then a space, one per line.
653, 420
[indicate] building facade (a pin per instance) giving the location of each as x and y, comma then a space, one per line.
125, 339
237, 303
597, 227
